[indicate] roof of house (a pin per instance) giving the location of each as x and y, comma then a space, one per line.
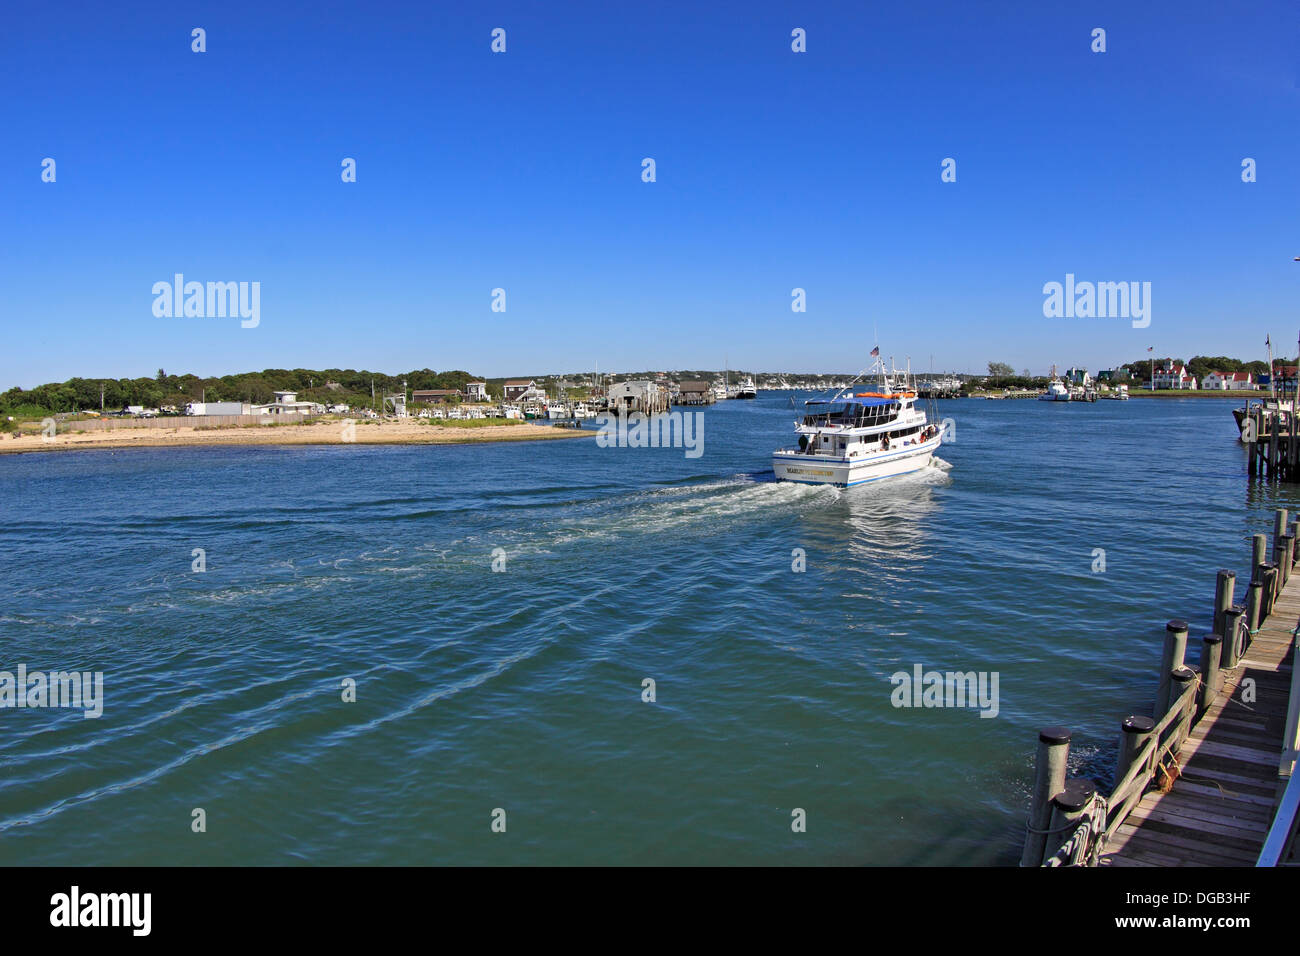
518, 381
693, 387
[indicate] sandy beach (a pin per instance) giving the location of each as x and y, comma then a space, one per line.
408, 432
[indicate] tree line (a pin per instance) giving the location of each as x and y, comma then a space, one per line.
1003, 375
327, 386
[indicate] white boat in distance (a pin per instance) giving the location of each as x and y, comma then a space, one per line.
746, 389
1056, 392
852, 438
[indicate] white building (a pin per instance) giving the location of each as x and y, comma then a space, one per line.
286, 403
1174, 377
641, 396
1225, 381
476, 391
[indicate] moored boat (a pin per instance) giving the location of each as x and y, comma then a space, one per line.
1056, 392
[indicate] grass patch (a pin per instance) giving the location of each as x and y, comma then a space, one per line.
472, 422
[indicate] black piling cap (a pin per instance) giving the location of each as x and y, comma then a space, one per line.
1137, 724
1225, 573
1212, 639
1235, 609
1054, 735
1183, 674
1077, 794
1176, 625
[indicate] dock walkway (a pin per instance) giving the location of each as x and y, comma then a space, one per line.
1208, 779
1222, 802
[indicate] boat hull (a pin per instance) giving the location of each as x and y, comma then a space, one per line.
845, 473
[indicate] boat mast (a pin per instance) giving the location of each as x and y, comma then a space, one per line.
1272, 379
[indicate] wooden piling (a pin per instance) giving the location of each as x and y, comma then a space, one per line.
1049, 780
1234, 645
1225, 589
1183, 683
1258, 555
1068, 810
1254, 604
1211, 650
1170, 658
1270, 591
1133, 733
1280, 559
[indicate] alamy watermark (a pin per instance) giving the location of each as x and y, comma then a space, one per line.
215, 300
1099, 300
638, 430
922, 688
82, 690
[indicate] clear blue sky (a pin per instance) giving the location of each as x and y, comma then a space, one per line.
523, 171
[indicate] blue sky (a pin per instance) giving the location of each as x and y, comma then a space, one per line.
522, 171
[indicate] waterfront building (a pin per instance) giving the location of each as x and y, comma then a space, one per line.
1173, 376
515, 388
1225, 381
435, 396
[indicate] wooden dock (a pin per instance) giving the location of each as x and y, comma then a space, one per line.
1221, 804
1208, 779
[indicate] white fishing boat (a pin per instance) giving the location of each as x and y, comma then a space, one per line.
854, 438
1056, 392
745, 388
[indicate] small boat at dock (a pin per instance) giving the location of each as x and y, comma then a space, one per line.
1056, 392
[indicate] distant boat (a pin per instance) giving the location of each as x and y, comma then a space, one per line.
746, 388
1056, 392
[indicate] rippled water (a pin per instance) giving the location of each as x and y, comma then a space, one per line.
522, 690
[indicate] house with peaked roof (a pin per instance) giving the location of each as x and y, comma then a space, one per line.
1173, 376
1227, 381
516, 387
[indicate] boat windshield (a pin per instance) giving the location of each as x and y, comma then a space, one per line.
850, 414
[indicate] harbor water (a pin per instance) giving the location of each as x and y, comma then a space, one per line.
769, 616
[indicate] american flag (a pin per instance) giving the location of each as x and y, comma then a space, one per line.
875, 353
1151, 348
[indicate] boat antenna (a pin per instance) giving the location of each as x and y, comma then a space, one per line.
879, 363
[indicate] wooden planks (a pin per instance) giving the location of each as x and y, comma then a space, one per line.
1220, 807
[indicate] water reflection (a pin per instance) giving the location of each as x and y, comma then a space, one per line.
883, 530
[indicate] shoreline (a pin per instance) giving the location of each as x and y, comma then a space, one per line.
406, 432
